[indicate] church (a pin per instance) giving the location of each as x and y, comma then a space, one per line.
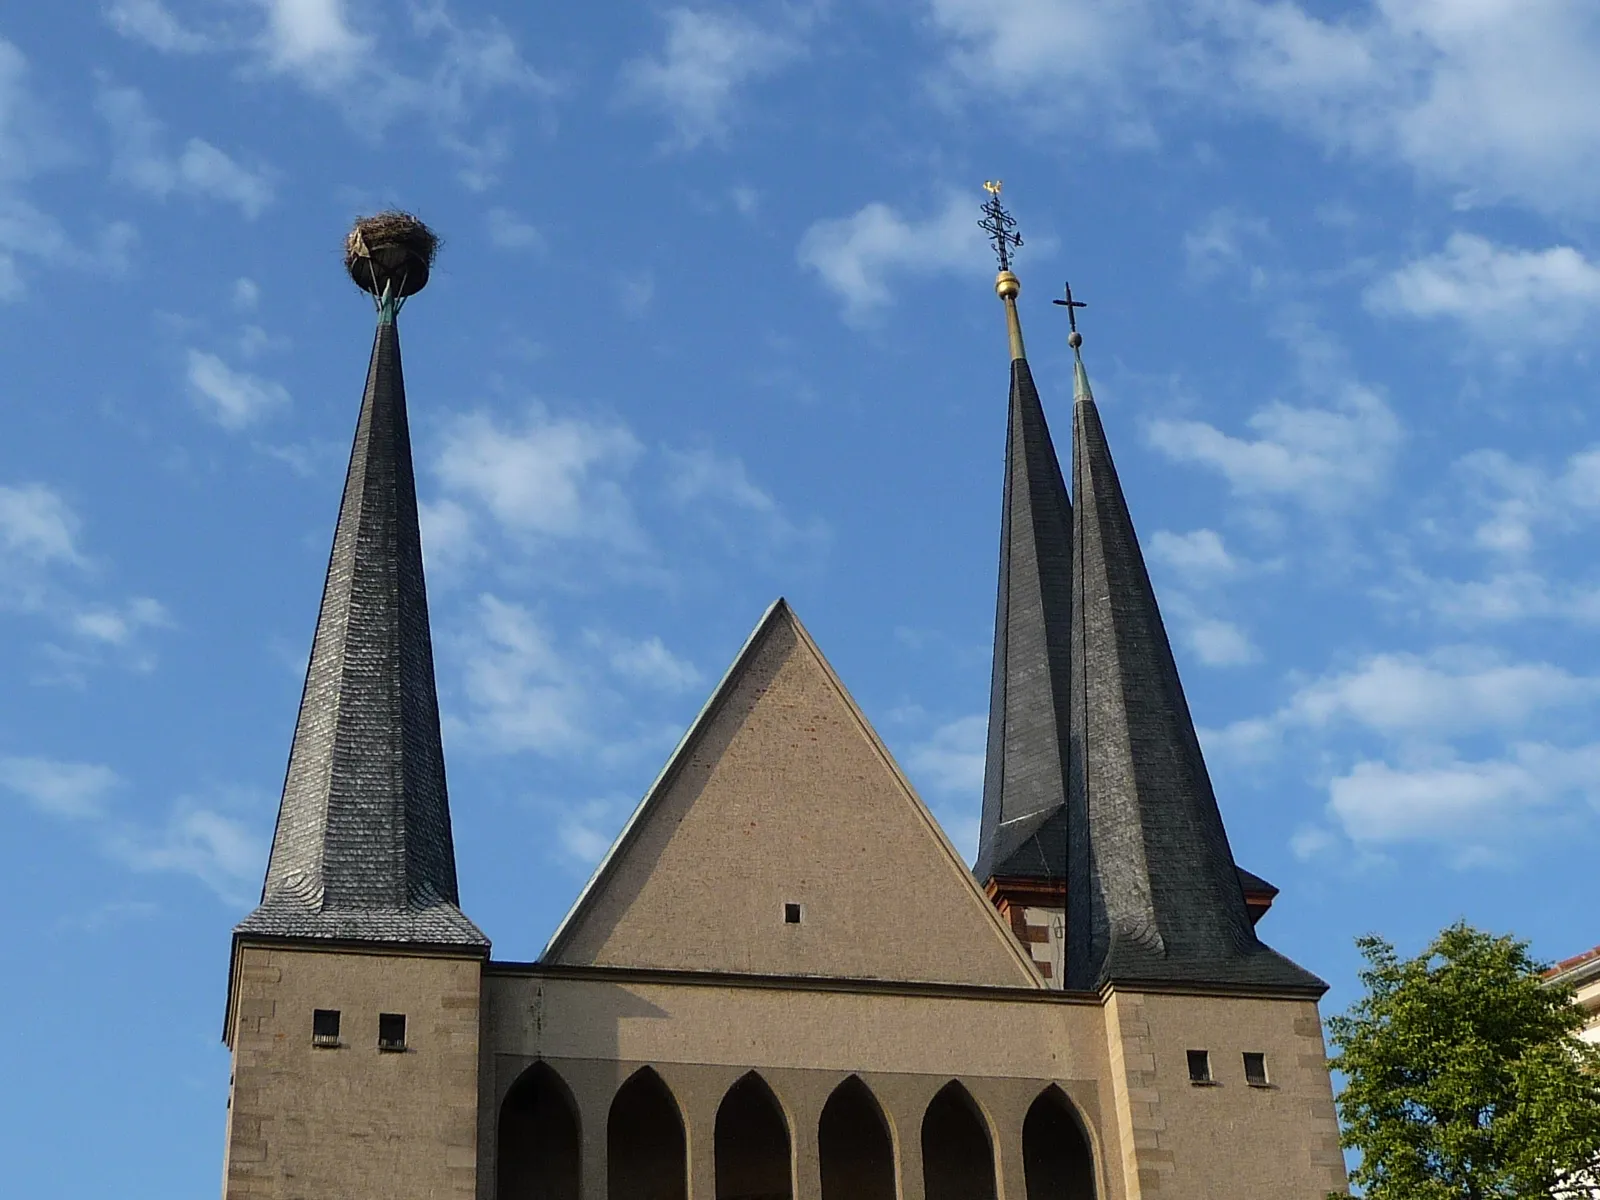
782, 981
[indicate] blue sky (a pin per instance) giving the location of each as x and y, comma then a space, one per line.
714, 323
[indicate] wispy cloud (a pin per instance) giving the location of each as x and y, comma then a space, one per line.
311, 35
510, 232
1507, 298
37, 525
200, 840
1471, 805
140, 159
1325, 459
1517, 500
859, 257
423, 66
707, 58
232, 398
947, 765
151, 22
719, 487
645, 662
1499, 99
528, 689
60, 789
544, 477
1433, 748
44, 572
1199, 557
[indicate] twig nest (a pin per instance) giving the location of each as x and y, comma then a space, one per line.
391, 249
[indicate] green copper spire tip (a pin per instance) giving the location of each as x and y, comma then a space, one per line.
1080, 379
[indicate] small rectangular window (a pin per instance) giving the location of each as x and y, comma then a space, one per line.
325, 1027
1255, 1069
391, 1031
1199, 1066
791, 913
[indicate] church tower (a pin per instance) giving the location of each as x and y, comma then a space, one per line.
782, 982
354, 987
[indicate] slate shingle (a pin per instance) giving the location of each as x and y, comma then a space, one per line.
1153, 893
1022, 833
363, 848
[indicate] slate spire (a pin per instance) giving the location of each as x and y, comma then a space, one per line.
1022, 835
1153, 893
363, 849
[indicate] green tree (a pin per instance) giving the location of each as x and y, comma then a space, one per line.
1465, 1076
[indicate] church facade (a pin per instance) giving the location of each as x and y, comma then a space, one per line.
783, 980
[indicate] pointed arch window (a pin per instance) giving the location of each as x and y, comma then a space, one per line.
538, 1148
646, 1151
754, 1160
856, 1150
1056, 1157
957, 1155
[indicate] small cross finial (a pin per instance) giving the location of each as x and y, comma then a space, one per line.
1000, 225
1074, 338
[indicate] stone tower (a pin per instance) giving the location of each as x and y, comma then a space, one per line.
353, 992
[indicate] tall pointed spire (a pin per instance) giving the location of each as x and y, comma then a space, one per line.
363, 848
1153, 894
1022, 835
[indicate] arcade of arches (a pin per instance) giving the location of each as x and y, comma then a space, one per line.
541, 1145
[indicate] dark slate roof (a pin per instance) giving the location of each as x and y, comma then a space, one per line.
1023, 830
1153, 893
362, 849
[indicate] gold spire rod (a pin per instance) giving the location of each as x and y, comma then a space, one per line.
1001, 227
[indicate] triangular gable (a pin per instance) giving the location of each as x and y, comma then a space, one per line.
782, 794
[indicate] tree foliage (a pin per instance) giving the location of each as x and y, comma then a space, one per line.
1465, 1076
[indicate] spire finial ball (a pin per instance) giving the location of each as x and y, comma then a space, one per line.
392, 250
1007, 286
1074, 339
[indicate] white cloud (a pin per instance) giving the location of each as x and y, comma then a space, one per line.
858, 256
200, 169
246, 294
221, 851
521, 692
950, 760
1326, 459
1219, 643
369, 70
1222, 242
707, 58
550, 477
117, 626
1504, 297
1199, 556
510, 232
721, 487
1508, 596
61, 789
1501, 97
1522, 498
647, 663
585, 831
1456, 801
234, 399
1403, 696
37, 524
151, 22
311, 35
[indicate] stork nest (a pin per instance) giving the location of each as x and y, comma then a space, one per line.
392, 249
